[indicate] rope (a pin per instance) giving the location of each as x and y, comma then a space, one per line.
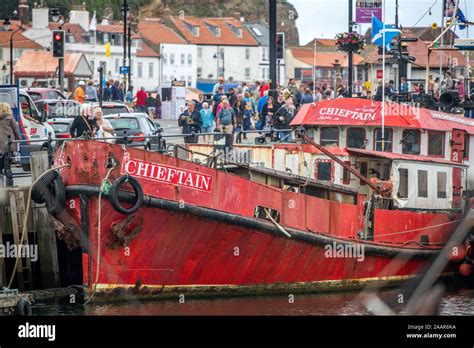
25, 218
280, 228
104, 189
419, 229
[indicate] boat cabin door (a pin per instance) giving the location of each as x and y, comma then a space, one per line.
457, 154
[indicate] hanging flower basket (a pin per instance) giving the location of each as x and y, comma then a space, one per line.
350, 42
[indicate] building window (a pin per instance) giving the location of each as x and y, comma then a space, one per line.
329, 136
18, 53
140, 70
265, 53
165, 58
411, 142
182, 59
423, 183
247, 53
190, 59
196, 31
165, 78
403, 183
356, 138
151, 70
1, 53
387, 143
181, 78
441, 184
117, 66
199, 72
323, 170
172, 58
240, 32
465, 153
435, 143
247, 73
199, 52
190, 81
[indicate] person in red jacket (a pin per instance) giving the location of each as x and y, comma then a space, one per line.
263, 88
141, 100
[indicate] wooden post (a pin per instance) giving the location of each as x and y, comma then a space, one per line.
3, 226
47, 249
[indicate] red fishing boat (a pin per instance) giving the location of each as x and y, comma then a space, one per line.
154, 224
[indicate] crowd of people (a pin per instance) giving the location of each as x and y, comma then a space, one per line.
415, 91
248, 107
114, 91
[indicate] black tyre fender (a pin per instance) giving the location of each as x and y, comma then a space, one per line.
23, 307
57, 200
114, 190
38, 192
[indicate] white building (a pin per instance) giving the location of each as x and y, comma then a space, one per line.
225, 48
176, 58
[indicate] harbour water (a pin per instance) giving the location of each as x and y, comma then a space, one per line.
457, 302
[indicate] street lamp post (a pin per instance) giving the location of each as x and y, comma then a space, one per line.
218, 56
7, 25
129, 40
125, 10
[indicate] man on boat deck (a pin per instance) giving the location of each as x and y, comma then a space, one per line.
190, 121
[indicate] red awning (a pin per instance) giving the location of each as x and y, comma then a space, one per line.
363, 112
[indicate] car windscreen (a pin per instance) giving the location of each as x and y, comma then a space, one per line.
124, 123
35, 96
60, 127
109, 110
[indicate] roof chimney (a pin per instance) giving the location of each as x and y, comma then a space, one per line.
40, 18
23, 12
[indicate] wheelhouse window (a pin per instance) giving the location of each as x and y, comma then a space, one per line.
441, 184
423, 183
324, 170
356, 138
330, 136
385, 145
436, 143
411, 141
403, 183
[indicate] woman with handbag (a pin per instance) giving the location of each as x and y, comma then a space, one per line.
105, 128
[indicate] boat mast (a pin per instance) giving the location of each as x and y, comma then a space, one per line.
383, 76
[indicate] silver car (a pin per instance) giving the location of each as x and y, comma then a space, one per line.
135, 124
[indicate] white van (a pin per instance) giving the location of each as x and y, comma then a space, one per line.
32, 125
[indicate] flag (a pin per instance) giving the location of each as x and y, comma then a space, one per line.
107, 49
93, 24
378, 30
461, 18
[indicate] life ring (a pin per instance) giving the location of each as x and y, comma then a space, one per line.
50, 190
23, 307
114, 190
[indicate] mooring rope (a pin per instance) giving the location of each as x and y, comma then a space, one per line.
104, 189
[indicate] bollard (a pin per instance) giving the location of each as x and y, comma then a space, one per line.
50, 149
7, 164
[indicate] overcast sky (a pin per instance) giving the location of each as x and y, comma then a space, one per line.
326, 18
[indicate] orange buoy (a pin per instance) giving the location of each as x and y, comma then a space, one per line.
457, 253
466, 268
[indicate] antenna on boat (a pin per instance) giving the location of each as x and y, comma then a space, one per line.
314, 71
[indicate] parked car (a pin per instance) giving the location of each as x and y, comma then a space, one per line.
33, 125
135, 124
58, 108
37, 93
110, 108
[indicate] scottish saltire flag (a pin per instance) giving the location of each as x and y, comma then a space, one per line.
461, 18
378, 30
